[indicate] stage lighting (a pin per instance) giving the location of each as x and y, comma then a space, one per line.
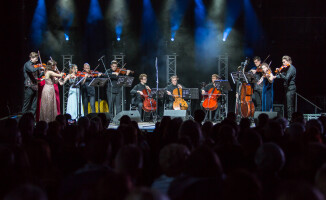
66, 37
172, 39
118, 38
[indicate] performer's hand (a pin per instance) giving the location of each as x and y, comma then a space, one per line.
253, 71
148, 88
128, 72
140, 92
115, 73
179, 86
169, 93
203, 92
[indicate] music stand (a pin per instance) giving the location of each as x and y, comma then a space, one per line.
98, 82
223, 85
125, 81
159, 92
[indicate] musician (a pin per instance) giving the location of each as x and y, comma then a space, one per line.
169, 90
114, 91
258, 88
209, 86
267, 82
289, 75
88, 92
31, 75
137, 92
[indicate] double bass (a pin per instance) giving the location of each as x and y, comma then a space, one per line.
149, 104
179, 103
247, 106
210, 103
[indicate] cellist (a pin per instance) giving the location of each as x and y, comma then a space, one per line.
137, 93
207, 88
169, 90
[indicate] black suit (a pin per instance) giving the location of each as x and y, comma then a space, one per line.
170, 99
88, 94
114, 93
290, 88
136, 97
31, 89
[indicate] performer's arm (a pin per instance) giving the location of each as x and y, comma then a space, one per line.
30, 68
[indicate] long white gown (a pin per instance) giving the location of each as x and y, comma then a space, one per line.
74, 101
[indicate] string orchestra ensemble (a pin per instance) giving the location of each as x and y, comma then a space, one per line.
254, 90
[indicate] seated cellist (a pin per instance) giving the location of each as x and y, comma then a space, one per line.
137, 93
205, 90
169, 90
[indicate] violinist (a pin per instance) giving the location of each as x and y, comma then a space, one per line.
169, 90
288, 74
207, 88
114, 91
137, 92
267, 94
257, 95
88, 92
48, 102
31, 73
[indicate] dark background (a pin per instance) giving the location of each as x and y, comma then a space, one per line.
290, 27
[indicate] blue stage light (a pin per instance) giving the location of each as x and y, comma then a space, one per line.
172, 39
66, 37
118, 39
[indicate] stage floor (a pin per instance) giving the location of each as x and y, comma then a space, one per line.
144, 126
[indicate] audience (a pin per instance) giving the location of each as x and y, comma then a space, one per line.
180, 160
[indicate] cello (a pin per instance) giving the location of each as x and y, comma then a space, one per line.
179, 103
210, 103
149, 104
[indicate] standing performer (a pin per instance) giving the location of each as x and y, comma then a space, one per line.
31, 74
48, 110
267, 94
88, 92
74, 101
114, 91
208, 88
288, 73
258, 88
174, 84
137, 93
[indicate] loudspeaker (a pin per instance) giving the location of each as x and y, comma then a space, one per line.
176, 113
279, 108
271, 115
133, 114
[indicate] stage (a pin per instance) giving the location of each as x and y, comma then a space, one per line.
144, 126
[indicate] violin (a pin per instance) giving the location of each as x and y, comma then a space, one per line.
40, 65
122, 70
282, 68
90, 73
179, 103
149, 104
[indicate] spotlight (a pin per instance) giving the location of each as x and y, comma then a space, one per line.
66, 37
224, 39
118, 39
172, 39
